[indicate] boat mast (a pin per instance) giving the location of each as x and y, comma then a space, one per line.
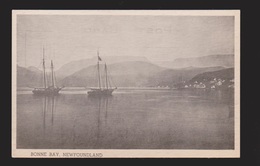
44, 74
106, 75
52, 76
99, 84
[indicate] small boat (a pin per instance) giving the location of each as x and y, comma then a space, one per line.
47, 90
105, 90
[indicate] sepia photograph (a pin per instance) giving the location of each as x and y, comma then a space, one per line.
125, 83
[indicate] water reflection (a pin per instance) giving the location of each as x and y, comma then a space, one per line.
48, 110
101, 104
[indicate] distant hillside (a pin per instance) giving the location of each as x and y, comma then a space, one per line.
225, 60
220, 79
34, 69
123, 74
134, 74
170, 77
225, 74
28, 78
75, 66
31, 77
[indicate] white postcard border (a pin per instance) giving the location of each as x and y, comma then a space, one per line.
129, 153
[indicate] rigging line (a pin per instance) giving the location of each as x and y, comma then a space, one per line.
48, 79
39, 65
111, 78
108, 79
96, 77
54, 79
106, 75
109, 83
102, 78
100, 74
93, 77
112, 83
43, 81
99, 83
52, 74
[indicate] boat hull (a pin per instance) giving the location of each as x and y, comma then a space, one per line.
43, 91
101, 92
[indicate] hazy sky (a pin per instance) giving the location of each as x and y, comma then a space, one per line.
159, 38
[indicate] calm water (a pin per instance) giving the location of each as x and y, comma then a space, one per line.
130, 119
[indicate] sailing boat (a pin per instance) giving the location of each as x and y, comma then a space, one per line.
107, 90
50, 90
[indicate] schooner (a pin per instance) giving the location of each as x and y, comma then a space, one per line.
105, 90
46, 89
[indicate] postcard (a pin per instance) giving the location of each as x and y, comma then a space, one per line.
126, 83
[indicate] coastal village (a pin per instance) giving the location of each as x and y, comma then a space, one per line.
216, 83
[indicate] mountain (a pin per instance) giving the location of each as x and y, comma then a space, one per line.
170, 77
31, 77
34, 69
123, 74
28, 77
225, 60
75, 66
134, 74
